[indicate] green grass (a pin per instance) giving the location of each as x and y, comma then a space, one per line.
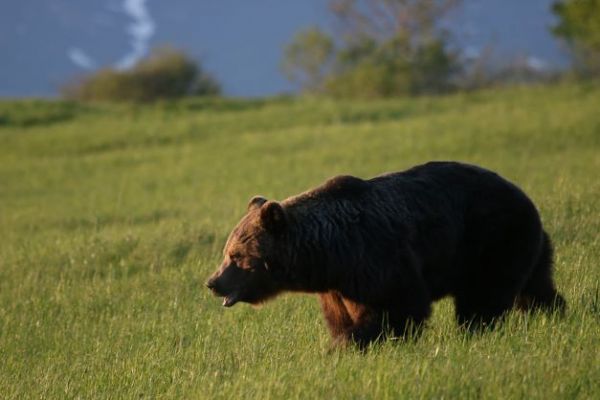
112, 217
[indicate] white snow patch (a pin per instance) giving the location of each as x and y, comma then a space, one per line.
141, 29
80, 58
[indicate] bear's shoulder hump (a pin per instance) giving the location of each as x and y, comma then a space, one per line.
344, 185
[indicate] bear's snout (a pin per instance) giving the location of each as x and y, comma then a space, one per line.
216, 286
211, 284
228, 283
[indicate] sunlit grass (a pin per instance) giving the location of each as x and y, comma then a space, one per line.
111, 218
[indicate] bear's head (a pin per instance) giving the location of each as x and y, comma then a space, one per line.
252, 254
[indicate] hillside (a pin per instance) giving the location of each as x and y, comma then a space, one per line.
112, 217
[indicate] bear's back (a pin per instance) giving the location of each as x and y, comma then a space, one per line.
450, 181
434, 188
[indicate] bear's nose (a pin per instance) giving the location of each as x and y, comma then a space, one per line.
211, 284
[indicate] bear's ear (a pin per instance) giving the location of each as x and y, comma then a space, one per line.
272, 216
256, 202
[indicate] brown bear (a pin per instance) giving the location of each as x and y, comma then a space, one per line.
379, 251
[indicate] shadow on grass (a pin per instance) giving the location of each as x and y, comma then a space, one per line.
26, 113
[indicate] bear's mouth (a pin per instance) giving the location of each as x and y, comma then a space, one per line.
231, 299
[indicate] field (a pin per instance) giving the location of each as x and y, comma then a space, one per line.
113, 216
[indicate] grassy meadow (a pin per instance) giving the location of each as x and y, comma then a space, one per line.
113, 216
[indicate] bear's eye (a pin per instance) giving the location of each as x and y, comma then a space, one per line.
236, 256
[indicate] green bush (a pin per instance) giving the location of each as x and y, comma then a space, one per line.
165, 74
579, 25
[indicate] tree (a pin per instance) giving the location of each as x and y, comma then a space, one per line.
579, 25
402, 39
307, 59
369, 69
382, 20
380, 48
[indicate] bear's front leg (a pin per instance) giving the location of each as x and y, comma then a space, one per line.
373, 324
349, 321
336, 315
396, 306
369, 323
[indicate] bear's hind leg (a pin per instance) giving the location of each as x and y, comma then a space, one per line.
539, 291
501, 255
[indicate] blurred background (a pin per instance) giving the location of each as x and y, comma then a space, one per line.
241, 45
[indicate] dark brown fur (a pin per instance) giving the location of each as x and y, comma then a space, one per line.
379, 251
